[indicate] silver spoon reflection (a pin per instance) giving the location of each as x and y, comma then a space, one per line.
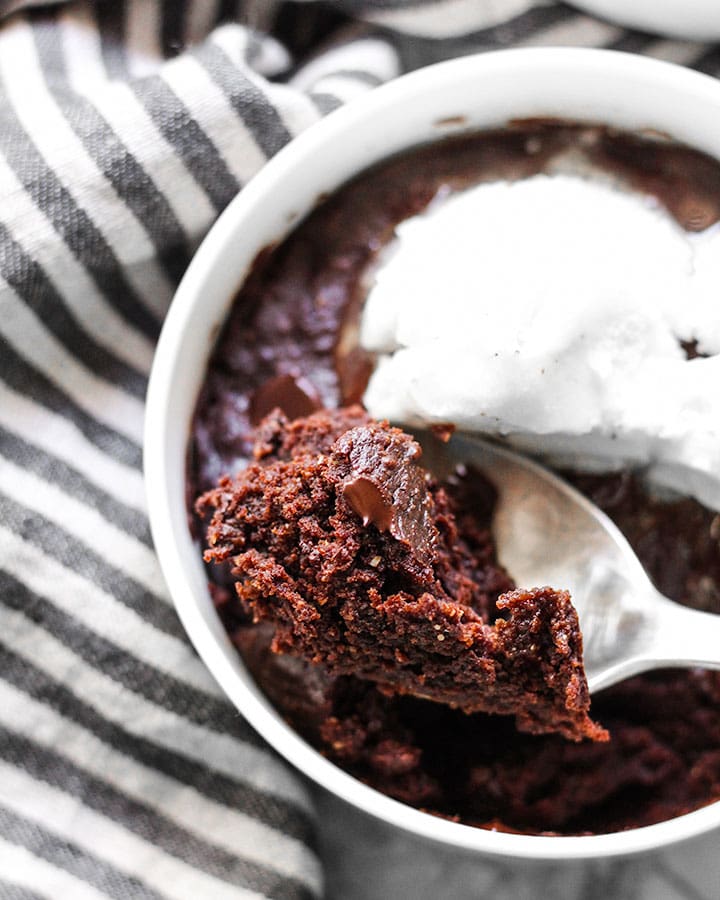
547, 533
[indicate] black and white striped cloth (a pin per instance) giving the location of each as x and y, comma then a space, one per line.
125, 128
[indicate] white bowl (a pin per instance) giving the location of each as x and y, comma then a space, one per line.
469, 93
697, 20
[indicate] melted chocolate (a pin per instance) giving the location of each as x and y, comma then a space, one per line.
387, 488
294, 397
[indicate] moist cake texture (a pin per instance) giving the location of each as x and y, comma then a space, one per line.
341, 540
291, 344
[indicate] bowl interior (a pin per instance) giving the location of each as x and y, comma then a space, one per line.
465, 94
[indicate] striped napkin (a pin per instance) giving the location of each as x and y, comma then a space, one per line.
125, 128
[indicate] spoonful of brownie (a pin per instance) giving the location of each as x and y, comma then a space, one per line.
546, 532
366, 564
402, 571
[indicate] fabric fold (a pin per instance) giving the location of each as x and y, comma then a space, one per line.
125, 129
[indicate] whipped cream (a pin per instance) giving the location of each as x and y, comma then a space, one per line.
552, 311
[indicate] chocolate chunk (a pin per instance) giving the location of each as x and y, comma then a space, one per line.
368, 501
387, 487
294, 396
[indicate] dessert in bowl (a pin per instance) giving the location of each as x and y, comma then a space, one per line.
299, 348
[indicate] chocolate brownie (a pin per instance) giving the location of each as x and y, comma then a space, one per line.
352, 551
291, 342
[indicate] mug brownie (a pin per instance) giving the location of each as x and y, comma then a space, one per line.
310, 508
360, 561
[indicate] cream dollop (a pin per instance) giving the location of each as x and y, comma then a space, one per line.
553, 311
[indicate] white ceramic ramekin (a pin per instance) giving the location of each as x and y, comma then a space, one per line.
468, 93
696, 20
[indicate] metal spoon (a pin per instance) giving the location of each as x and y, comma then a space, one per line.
547, 533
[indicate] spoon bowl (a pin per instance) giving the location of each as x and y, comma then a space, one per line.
548, 533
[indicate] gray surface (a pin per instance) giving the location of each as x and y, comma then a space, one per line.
366, 859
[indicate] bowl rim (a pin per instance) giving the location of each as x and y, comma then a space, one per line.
692, 20
162, 503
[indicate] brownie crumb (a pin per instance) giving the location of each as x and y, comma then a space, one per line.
358, 557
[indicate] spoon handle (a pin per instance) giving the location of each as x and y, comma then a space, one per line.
686, 637
675, 637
